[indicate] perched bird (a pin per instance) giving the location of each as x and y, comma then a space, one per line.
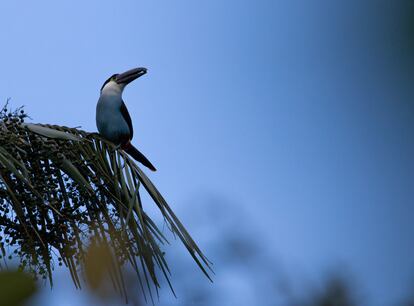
112, 117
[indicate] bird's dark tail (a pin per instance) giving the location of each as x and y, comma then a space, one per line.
138, 156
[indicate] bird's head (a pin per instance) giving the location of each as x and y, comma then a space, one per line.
118, 81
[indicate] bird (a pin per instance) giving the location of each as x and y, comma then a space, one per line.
112, 117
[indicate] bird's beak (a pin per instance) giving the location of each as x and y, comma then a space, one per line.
130, 75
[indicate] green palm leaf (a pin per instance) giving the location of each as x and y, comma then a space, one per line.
60, 187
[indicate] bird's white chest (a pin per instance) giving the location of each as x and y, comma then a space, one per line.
111, 97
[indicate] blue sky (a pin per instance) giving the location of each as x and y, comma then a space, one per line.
300, 112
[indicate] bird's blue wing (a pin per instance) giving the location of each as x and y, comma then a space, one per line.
127, 117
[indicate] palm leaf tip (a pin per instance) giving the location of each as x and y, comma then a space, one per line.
59, 186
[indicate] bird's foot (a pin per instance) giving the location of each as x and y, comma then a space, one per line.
116, 148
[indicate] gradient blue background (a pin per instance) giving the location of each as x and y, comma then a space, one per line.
299, 113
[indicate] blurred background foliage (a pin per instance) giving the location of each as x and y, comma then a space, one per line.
247, 270
16, 288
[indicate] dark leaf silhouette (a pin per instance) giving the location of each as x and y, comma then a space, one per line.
59, 186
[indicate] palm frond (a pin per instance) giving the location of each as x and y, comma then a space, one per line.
60, 186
